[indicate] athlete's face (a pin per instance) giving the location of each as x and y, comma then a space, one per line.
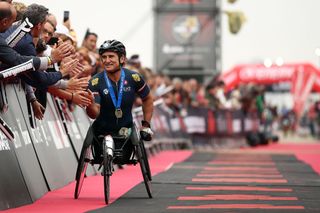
110, 61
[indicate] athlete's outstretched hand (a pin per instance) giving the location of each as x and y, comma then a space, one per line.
79, 98
146, 132
90, 95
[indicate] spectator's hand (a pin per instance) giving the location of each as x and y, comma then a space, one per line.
69, 58
68, 66
77, 83
87, 71
62, 51
77, 70
67, 24
81, 98
38, 110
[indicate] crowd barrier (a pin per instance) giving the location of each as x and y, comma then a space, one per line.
43, 154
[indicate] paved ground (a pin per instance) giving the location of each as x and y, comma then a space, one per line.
229, 181
298, 137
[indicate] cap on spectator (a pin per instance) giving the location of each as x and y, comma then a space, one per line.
63, 30
134, 59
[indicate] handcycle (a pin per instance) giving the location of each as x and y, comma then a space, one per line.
112, 153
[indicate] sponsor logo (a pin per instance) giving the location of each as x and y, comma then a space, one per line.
94, 81
136, 77
184, 28
4, 142
106, 91
126, 89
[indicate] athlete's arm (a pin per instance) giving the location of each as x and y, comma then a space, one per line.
93, 110
147, 107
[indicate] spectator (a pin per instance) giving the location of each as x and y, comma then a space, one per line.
90, 42
235, 98
223, 102
134, 61
10, 57
214, 103
20, 8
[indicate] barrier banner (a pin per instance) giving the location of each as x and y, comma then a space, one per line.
251, 122
52, 146
13, 190
165, 122
211, 125
207, 122
66, 117
229, 123
196, 120
21, 148
81, 121
221, 123
201, 121
57, 156
178, 127
237, 122
162, 124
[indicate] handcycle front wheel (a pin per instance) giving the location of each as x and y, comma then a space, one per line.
146, 161
81, 169
106, 178
107, 172
144, 165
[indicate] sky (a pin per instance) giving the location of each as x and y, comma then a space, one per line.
287, 29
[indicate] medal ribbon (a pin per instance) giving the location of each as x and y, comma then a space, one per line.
116, 103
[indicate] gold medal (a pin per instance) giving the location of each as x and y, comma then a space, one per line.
118, 113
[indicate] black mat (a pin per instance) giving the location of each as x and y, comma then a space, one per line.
302, 187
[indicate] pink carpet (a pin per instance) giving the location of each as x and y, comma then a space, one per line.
92, 195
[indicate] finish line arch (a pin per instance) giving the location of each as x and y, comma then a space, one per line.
304, 78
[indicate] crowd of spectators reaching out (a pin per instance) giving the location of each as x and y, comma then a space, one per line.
67, 66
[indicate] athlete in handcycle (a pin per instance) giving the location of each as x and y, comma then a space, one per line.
113, 137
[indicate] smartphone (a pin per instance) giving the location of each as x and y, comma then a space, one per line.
66, 14
53, 41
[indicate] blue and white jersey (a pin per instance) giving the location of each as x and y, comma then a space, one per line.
106, 122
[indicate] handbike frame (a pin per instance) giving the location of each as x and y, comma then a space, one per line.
109, 155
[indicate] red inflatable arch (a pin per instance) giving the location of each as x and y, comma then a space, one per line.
304, 78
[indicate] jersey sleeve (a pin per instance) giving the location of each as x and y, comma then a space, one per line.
94, 88
141, 87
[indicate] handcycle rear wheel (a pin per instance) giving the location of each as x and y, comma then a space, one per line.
144, 165
81, 169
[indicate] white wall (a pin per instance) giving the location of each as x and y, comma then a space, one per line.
275, 28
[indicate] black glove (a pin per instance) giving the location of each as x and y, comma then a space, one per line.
146, 132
